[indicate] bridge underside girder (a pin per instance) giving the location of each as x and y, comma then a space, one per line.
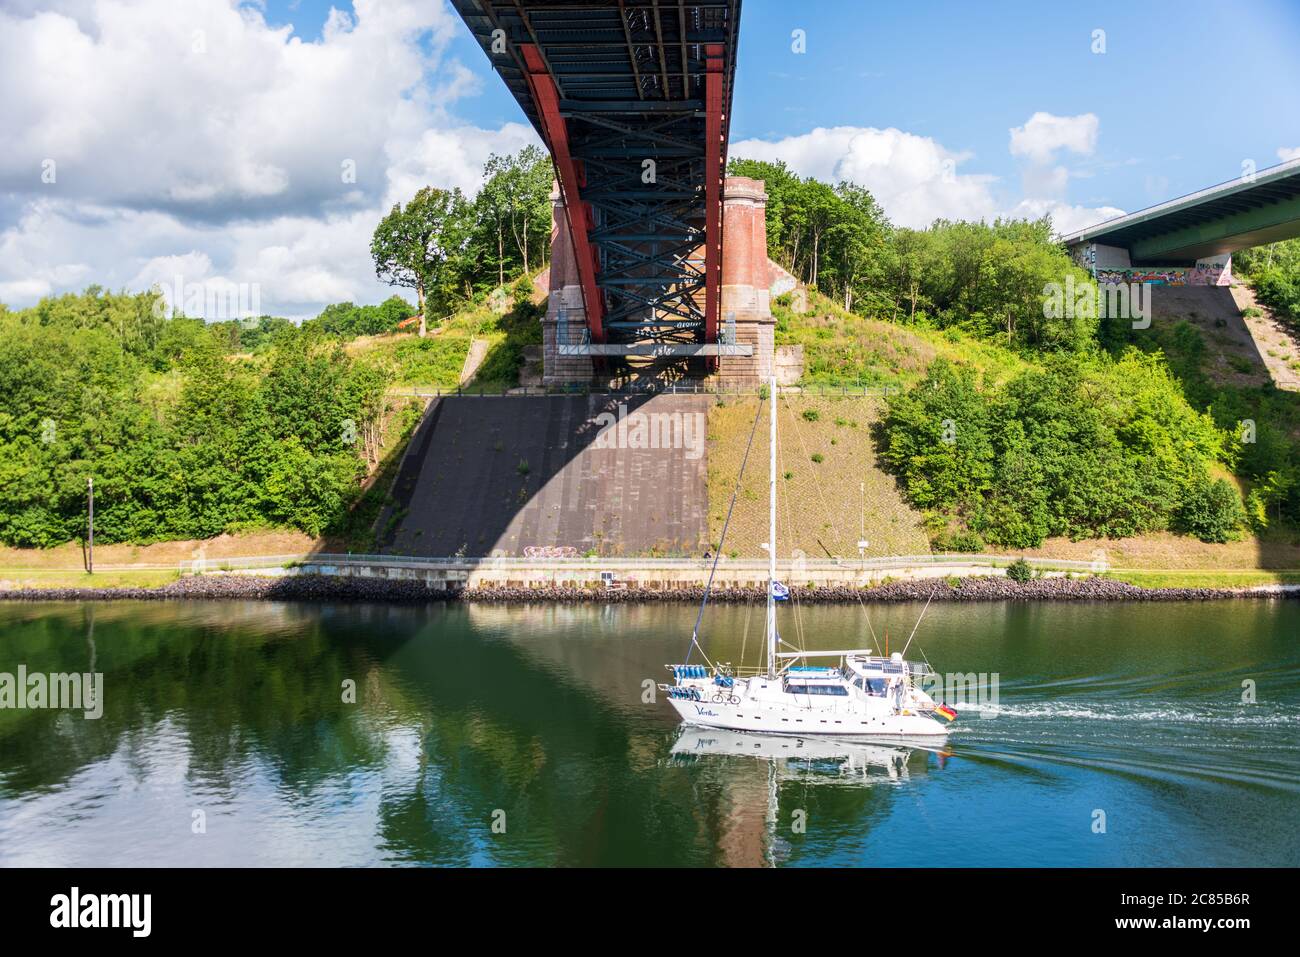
1251, 211
631, 98
1240, 230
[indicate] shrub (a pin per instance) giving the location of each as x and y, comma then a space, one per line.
959, 540
1020, 571
1212, 511
1082, 448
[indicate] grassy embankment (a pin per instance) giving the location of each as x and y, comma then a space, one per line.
136, 566
438, 359
833, 491
1205, 579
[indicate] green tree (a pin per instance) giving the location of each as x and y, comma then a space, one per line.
1082, 447
514, 209
906, 264
1274, 273
855, 245
422, 246
937, 437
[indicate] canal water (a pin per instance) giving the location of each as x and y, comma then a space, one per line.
1121, 734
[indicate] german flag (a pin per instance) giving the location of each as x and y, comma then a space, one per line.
945, 712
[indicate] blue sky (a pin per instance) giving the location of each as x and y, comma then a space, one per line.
1185, 91
1181, 91
155, 141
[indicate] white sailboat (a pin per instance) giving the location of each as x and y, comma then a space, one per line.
862, 694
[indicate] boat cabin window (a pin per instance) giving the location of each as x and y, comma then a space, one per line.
797, 688
876, 686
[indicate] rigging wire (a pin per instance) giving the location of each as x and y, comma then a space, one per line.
802, 645
835, 528
717, 557
794, 597
918, 622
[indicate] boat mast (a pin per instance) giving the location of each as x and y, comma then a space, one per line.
771, 535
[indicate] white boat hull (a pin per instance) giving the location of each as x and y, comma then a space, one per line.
802, 716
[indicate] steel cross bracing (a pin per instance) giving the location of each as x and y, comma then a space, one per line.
632, 98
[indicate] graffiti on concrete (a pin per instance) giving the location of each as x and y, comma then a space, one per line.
550, 551
1085, 256
1157, 277
1204, 274
1210, 274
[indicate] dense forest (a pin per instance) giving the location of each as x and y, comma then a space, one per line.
1082, 446
985, 279
184, 437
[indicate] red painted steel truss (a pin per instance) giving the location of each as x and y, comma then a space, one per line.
632, 98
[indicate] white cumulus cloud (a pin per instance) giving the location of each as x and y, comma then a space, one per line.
1066, 218
1044, 134
914, 178
142, 136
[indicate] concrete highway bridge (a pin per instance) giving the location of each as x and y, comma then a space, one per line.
1190, 240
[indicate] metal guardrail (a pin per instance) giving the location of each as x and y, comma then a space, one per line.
99, 567
200, 566
664, 388
658, 350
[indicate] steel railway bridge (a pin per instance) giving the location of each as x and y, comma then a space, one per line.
632, 97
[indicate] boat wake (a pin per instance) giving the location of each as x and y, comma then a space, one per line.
1201, 743
1258, 715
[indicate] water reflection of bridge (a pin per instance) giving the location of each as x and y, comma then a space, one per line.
754, 781
457, 713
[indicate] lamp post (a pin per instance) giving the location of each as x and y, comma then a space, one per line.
90, 523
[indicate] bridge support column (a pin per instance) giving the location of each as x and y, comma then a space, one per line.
1211, 271
566, 318
746, 307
